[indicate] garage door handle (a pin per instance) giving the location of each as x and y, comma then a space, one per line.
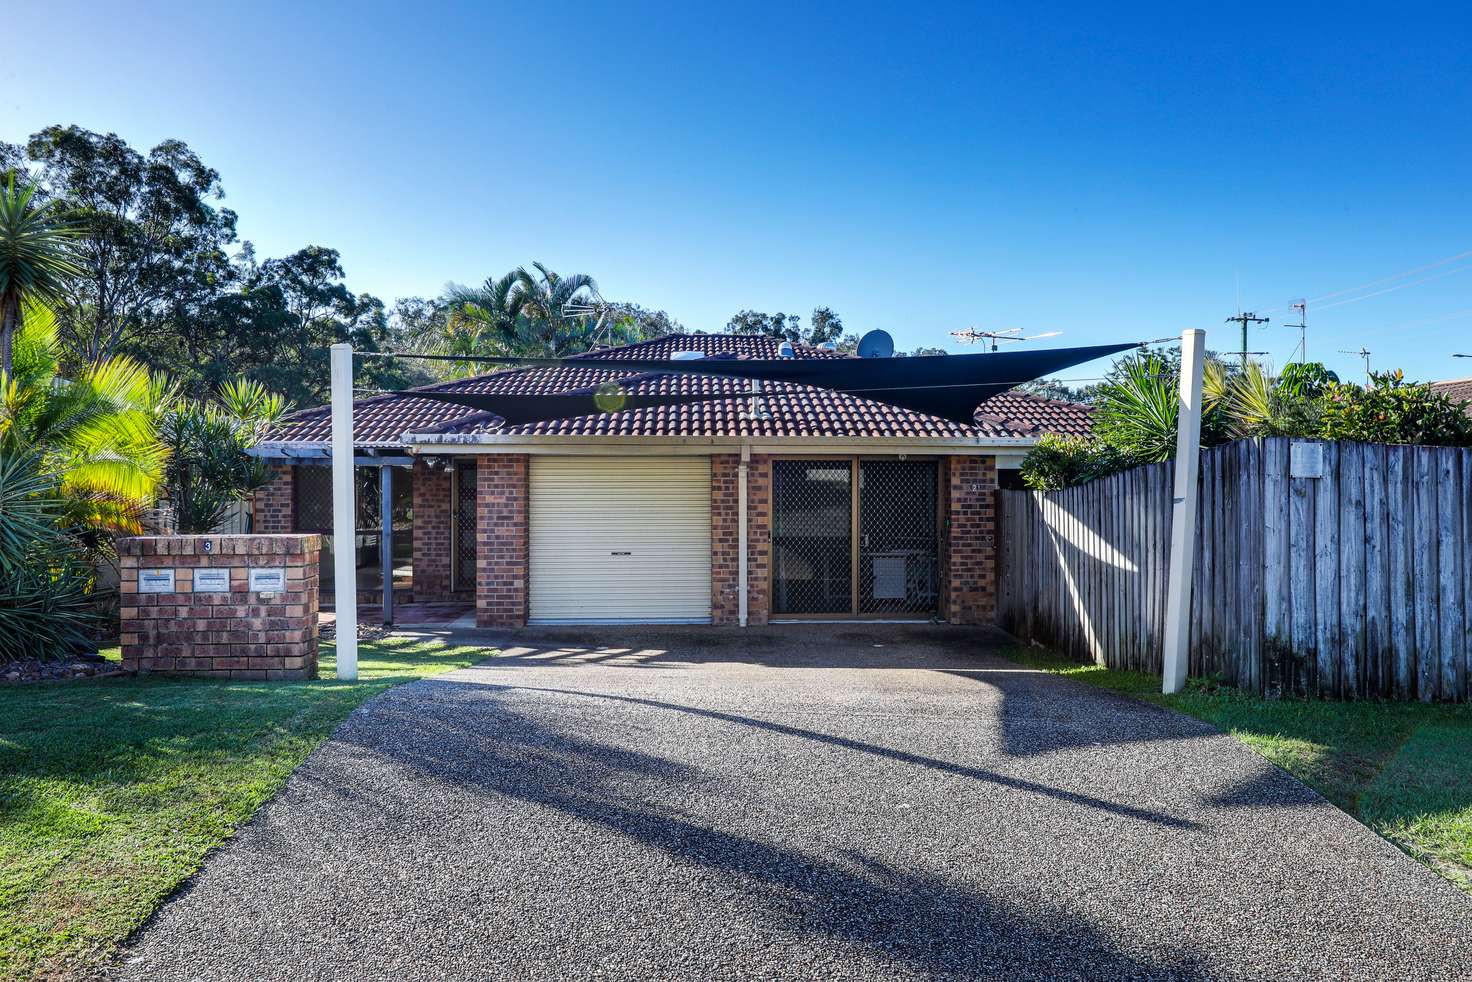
616, 553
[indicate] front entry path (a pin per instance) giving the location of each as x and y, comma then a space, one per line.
818, 802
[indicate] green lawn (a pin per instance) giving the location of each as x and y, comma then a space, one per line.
112, 791
1404, 769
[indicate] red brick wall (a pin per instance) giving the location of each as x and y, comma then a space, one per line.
432, 531
724, 530
272, 504
501, 537
239, 634
969, 564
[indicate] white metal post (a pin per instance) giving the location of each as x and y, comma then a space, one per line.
386, 539
344, 513
1183, 514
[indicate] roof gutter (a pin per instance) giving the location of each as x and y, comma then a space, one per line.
477, 443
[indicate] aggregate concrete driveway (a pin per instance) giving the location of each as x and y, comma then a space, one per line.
823, 802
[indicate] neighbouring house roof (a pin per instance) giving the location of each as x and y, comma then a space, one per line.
1457, 390
403, 419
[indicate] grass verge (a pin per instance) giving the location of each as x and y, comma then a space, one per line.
1403, 769
113, 791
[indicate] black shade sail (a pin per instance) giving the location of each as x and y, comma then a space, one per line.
949, 386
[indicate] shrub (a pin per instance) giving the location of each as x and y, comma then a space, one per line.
45, 605
1062, 461
1392, 410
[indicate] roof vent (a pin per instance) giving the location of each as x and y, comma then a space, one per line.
686, 355
786, 350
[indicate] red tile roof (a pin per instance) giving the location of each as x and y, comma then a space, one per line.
1457, 390
793, 410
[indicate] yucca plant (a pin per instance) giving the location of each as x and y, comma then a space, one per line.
209, 467
1138, 407
1259, 404
45, 605
36, 260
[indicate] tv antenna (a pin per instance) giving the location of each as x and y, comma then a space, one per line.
1362, 353
587, 307
1009, 335
1301, 308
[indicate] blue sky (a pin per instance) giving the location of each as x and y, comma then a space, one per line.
1109, 173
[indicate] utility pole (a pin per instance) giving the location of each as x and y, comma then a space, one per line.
1244, 319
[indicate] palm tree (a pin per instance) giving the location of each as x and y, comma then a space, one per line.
35, 259
95, 436
542, 299
488, 312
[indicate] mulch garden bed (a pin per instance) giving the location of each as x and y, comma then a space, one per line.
76, 667
366, 632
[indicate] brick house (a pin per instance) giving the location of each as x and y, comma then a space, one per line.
853, 508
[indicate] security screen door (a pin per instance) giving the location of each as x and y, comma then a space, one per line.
854, 537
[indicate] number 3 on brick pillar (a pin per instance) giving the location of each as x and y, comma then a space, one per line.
225, 606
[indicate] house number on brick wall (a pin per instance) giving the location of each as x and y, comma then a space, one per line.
268, 580
155, 581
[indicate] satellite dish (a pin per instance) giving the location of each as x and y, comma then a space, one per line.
876, 344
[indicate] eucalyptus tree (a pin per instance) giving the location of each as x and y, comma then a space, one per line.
147, 231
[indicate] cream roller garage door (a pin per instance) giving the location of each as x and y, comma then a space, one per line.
619, 540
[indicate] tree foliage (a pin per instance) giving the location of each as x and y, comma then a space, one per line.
1392, 410
163, 280
1137, 414
148, 231
824, 326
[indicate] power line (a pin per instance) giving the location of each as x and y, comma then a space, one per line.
1377, 282
1399, 286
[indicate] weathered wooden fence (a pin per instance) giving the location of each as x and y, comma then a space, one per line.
1356, 584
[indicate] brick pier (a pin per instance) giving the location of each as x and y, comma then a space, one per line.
214, 624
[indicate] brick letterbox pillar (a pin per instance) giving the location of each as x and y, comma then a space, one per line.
229, 606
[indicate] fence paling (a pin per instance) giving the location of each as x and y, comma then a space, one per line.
1355, 584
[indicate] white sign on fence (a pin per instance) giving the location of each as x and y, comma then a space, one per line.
268, 580
1305, 459
212, 581
155, 581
